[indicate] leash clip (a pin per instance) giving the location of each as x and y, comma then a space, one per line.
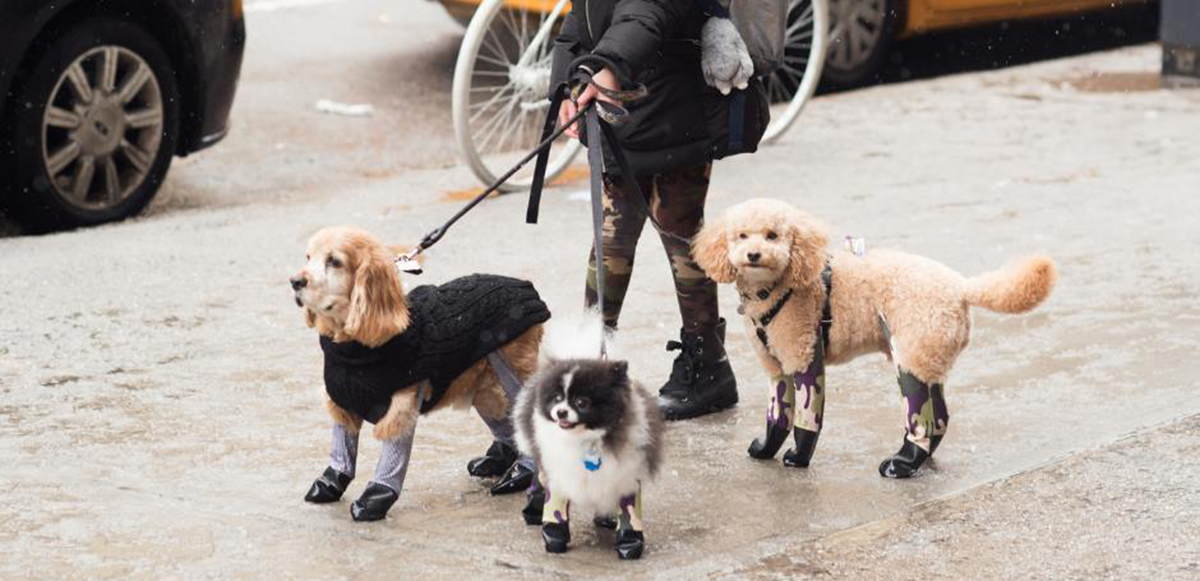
407, 263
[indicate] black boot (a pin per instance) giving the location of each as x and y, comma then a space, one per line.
518, 478
374, 503
556, 536
328, 488
605, 521
905, 463
701, 380
630, 544
498, 458
765, 447
535, 501
806, 443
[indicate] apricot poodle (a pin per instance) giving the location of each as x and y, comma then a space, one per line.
805, 307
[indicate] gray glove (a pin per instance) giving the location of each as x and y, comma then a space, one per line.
723, 56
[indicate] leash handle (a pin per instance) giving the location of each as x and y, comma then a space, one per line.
612, 115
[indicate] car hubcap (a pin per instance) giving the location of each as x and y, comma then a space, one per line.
102, 127
856, 30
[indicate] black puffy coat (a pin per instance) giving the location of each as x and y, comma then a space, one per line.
656, 43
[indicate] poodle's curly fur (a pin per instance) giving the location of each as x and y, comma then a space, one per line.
765, 244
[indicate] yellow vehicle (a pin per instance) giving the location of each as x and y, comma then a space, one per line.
863, 30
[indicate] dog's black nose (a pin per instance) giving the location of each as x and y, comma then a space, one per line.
298, 282
754, 256
562, 414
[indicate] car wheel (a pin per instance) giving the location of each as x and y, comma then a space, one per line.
861, 33
93, 128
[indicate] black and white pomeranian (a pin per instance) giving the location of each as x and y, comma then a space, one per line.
595, 433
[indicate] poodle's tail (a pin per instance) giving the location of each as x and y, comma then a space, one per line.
1016, 288
577, 336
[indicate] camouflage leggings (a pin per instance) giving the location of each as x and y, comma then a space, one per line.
676, 201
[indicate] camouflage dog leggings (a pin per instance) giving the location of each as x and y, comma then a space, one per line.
676, 202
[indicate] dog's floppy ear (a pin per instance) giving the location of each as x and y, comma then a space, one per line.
710, 249
377, 308
807, 259
619, 370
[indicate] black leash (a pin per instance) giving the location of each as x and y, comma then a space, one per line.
603, 110
406, 263
600, 137
599, 117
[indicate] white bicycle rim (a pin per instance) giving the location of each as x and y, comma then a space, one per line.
498, 99
807, 44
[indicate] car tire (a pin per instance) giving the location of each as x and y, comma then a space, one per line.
83, 156
849, 66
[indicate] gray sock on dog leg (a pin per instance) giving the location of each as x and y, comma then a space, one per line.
393, 462
527, 462
502, 430
344, 457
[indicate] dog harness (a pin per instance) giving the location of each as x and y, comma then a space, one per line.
451, 327
761, 323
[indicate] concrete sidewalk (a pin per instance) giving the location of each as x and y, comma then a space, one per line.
160, 414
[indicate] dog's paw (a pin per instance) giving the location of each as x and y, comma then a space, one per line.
498, 459
765, 448
630, 544
374, 503
532, 513
905, 463
518, 477
327, 488
556, 536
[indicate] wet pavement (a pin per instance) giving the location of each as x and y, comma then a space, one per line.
161, 417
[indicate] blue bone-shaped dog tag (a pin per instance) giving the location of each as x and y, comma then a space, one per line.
592, 459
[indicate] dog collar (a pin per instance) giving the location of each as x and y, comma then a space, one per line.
761, 294
592, 459
760, 324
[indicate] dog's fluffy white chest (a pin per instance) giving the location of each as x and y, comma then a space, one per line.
577, 465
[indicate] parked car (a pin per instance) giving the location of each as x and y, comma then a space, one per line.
97, 96
862, 31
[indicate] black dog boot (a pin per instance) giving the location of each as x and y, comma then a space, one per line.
905, 463
765, 447
556, 536
374, 503
701, 381
806, 443
630, 544
498, 458
605, 521
518, 478
328, 488
535, 501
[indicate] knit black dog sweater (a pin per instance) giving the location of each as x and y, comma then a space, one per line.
451, 327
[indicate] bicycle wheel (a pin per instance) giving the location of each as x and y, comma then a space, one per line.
804, 56
501, 81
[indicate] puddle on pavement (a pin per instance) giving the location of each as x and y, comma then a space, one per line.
569, 175
1114, 82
